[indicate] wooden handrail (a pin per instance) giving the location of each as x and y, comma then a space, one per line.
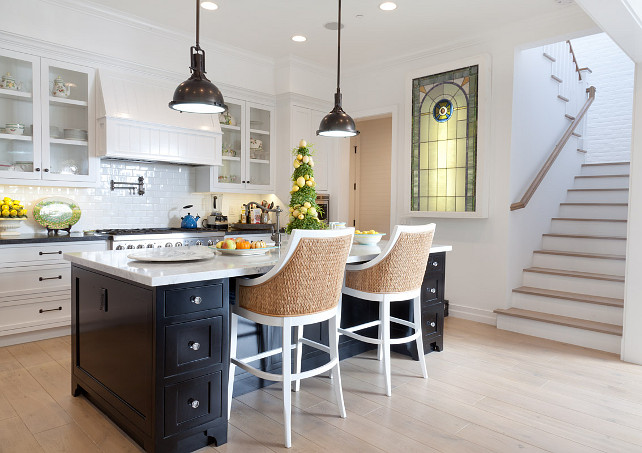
577, 66
558, 148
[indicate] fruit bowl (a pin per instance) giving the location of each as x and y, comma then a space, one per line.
368, 239
8, 225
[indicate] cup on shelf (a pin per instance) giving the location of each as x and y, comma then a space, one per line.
15, 128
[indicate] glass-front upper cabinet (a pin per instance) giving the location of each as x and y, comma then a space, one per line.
46, 120
68, 126
232, 173
259, 168
20, 118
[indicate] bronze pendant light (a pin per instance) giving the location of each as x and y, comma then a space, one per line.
338, 123
197, 94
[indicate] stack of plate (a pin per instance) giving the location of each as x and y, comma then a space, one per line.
75, 134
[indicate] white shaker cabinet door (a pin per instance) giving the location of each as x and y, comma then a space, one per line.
305, 123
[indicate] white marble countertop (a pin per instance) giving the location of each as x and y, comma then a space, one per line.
116, 263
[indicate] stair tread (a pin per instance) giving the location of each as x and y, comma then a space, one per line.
585, 236
575, 219
576, 274
568, 321
582, 254
589, 298
605, 163
593, 204
602, 176
599, 190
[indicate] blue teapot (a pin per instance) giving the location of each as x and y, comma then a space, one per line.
189, 221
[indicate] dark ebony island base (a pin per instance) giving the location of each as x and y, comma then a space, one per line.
155, 360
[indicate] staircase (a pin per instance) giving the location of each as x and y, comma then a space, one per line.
574, 291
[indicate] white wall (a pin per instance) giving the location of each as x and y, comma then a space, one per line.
477, 270
608, 132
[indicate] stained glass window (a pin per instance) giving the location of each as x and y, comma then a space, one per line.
444, 141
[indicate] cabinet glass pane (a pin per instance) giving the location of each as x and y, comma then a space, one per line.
16, 115
232, 128
259, 146
68, 121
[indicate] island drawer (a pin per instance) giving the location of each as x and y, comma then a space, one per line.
436, 262
191, 403
193, 345
183, 301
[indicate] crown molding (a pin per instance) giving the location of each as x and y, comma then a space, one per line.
292, 60
303, 100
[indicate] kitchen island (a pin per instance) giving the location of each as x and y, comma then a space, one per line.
150, 341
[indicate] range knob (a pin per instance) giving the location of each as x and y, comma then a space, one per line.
199, 242
119, 247
169, 244
210, 242
150, 246
140, 246
129, 247
178, 244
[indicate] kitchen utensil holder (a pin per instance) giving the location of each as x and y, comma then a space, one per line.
130, 186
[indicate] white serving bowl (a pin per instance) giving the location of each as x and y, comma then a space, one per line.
368, 239
15, 129
9, 224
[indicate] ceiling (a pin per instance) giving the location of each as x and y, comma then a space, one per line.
266, 26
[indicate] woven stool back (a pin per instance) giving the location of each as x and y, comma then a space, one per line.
309, 282
401, 270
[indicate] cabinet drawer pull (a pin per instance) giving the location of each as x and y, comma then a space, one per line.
50, 278
194, 403
194, 345
433, 324
59, 252
196, 300
50, 309
433, 290
435, 263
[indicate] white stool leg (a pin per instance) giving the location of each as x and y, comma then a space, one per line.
420, 341
334, 355
380, 330
287, 381
234, 320
299, 350
385, 320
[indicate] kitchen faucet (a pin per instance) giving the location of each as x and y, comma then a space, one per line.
276, 236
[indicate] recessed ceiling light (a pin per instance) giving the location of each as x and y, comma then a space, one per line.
209, 5
388, 6
299, 38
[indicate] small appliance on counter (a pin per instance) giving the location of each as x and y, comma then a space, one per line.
189, 222
216, 220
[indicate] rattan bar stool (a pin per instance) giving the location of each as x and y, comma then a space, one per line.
303, 288
395, 275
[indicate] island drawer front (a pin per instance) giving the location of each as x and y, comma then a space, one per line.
193, 345
54, 277
431, 291
192, 403
436, 262
33, 254
182, 301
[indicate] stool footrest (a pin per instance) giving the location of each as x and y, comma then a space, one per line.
361, 326
403, 322
314, 344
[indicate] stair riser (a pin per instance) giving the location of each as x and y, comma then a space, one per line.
571, 308
591, 228
598, 196
604, 246
605, 170
574, 284
593, 212
581, 264
571, 335
615, 182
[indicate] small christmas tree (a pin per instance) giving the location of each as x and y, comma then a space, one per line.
304, 210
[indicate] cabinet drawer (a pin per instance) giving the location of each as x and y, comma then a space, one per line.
191, 300
35, 313
431, 290
436, 262
193, 345
19, 280
432, 319
50, 253
192, 403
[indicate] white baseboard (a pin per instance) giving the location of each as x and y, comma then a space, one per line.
26, 337
472, 314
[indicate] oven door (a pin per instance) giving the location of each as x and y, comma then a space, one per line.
324, 204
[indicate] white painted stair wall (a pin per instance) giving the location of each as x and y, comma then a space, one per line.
583, 258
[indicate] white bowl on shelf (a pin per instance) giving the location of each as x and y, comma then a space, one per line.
8, 225
368, 239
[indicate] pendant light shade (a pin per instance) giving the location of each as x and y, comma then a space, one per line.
338, 123
197, 94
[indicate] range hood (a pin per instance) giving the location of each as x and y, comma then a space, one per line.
134, 122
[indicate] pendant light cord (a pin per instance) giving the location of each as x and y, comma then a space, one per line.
339, 50
198, 23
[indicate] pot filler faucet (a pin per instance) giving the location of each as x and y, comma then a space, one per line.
276, 236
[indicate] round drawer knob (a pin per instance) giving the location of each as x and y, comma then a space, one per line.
196, 300
435, 263
433, 290
194, 403
432, 324
194, 345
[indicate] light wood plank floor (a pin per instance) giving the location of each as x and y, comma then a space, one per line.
489, 391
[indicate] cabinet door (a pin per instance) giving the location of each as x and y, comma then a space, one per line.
259, 163
324, 150
231, 174
68, 120
20, 104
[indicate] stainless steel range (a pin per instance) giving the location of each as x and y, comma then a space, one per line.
140, 238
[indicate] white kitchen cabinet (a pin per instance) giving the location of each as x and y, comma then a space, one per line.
304, 125
57, 145
35, 289
248, 151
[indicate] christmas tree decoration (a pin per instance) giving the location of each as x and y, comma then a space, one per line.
304, 210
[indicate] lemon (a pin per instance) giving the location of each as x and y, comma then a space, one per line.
295, 188
5, 213
357, 232
16, 202
307, 204
300, 181
299, 157
301, 217
13, 213
4, 207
